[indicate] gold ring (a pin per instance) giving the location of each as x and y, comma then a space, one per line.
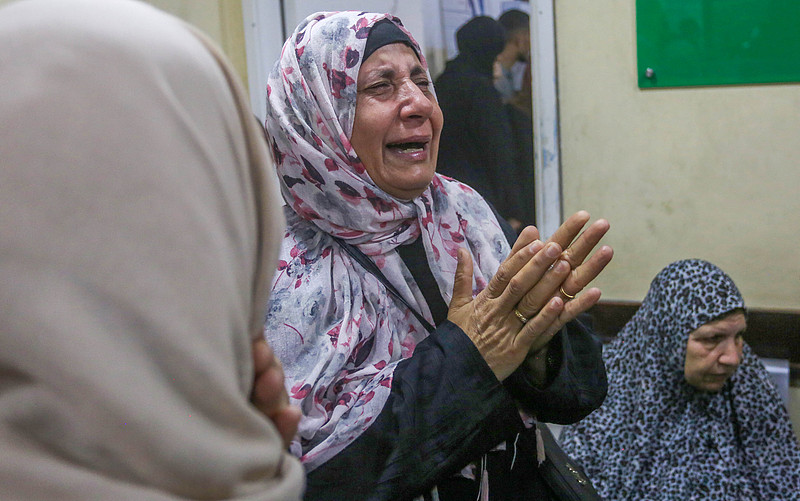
520, 316
568, 296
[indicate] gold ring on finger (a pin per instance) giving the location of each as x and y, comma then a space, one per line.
522, 318
568, 296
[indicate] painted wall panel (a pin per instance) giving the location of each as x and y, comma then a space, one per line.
706, 172
220, 19
712, 42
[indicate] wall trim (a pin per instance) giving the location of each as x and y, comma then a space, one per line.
546, 140
263, 35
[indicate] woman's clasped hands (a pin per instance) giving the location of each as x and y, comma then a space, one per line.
535, 292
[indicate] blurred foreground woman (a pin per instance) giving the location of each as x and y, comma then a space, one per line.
138, 231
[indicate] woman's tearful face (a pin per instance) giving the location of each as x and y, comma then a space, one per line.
397, 122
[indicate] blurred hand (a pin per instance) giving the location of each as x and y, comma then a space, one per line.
530, 281
269, 393
515, 224
497, 70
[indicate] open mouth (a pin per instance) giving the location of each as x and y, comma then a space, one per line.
410, 147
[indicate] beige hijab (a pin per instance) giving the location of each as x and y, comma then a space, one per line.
139, 226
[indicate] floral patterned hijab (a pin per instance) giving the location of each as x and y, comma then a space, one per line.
657, 438
337, 330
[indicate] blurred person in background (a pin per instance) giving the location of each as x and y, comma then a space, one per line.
476, 145
513, 61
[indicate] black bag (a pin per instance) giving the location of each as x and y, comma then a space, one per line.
563, 475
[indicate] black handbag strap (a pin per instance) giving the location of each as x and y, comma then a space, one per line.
369, 265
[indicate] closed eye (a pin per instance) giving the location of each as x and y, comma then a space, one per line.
711, 340
379, 86
377, 89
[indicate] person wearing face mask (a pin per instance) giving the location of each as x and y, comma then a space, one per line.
514, 60
414, 337
691, 412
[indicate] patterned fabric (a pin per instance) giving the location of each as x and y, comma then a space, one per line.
338, 332
656, 437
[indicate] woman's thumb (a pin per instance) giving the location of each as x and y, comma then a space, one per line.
462, 283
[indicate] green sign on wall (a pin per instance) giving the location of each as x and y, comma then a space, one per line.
717, 42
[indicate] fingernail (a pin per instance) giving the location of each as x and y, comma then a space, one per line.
552, 251
535, 246
562, 265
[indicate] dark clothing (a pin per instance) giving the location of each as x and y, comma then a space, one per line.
480, 40
446, 409
417, 263
476, 144
522, 141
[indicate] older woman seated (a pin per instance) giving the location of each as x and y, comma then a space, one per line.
411, 333
691, 413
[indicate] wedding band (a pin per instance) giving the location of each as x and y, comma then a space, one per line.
520, 316
568, 296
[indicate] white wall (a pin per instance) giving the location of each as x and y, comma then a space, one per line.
221, 20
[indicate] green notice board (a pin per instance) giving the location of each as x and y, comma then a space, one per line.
717, 42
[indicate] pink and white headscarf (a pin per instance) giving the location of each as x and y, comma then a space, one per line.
338, 332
